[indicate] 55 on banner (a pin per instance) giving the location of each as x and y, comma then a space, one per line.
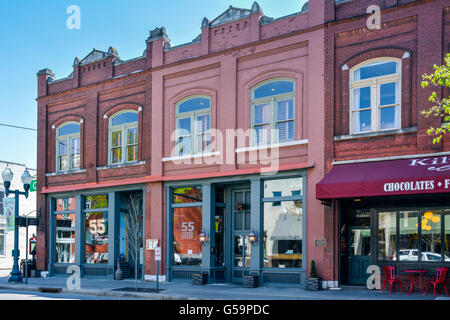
8, 211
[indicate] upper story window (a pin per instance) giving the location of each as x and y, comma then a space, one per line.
193, 125
375, 96
273, 109
68, 146
123, 137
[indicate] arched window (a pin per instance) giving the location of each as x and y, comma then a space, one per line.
193, 125
68, 146
375, 95
273, 111
123, 137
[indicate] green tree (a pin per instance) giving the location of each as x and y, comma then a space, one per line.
441, 106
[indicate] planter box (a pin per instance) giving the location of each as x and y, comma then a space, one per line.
313, 284
199, 279
251, 281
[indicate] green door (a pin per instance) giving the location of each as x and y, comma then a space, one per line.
358, 255
240, 229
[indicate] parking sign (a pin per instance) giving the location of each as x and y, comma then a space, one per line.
158, 254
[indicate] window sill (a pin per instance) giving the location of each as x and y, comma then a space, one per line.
374, 134
121, 165
60, 173
271, 146
191, 156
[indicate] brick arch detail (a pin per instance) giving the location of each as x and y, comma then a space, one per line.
377, 53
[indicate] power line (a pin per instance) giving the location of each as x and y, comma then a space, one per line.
17, 127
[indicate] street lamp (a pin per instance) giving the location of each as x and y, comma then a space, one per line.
7, 177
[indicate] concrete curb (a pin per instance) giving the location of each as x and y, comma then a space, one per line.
105, 293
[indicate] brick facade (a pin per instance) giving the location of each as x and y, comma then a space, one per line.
315, 47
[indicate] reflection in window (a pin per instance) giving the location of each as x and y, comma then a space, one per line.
193, 126
387, 235
123, 137
409, 245
68, 147
273, 107
96, 236
360, 242
65, 238
187, 225
242, 251
282, 241
187, 194
284, 187
375, 97
96, 202
431, 235
65, 204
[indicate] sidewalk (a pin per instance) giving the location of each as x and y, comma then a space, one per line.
187, 291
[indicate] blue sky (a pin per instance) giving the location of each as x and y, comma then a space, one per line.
34, 36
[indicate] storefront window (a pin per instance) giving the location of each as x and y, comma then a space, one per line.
283, 187
64, 230
66, 204
387, 230
447, 235
187, 195
96, 233
409, 236
283, 219
65, 238
96, 202
187, 225
431, 235
96, 229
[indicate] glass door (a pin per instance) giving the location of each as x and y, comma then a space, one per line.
240, 229
358, 255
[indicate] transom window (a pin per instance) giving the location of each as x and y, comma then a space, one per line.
375, 96
68, 146
273, 109
193, 126
123, 137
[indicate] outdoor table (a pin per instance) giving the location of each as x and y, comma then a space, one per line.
411, 276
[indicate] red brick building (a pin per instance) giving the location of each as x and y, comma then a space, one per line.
376, 141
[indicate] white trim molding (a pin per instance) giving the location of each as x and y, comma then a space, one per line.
191, 156
275, 145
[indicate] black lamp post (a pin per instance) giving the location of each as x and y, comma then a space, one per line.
7, 176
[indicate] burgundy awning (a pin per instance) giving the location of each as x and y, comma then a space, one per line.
385, 178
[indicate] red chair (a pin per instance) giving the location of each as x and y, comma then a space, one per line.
389, 273
440, 279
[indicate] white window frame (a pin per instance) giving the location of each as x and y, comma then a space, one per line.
68, 138
272, 101
123, 128
195, 130
375, 85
